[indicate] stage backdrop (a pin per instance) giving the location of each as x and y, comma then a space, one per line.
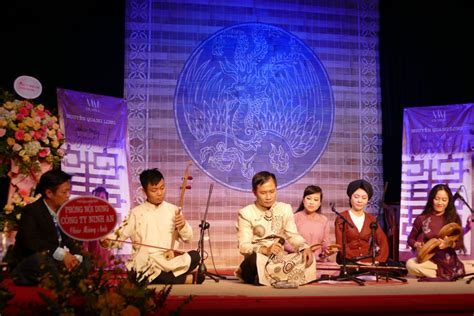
438, 143
96, 147
238, 87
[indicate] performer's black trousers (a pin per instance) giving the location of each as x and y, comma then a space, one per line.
248, 269
169, 278
29, 271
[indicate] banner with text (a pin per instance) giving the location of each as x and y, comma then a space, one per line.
438, 142
96, 146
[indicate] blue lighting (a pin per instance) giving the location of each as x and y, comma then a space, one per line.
254, 97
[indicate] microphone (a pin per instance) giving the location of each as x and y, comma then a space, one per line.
281, 241
458, 195
373, 227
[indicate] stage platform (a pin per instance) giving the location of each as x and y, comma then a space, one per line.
232, 297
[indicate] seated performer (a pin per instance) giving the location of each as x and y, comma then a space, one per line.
311, 224
41, 246
262, 229
359, 236
443, 264
150, 226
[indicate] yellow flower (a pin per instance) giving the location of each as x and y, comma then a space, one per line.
12, 126
16, 198
9, 105
56, 126
26, 159
3, 123
8, 208
40, 107
29, 121
10, 141
55, 144
21, 125
27, 138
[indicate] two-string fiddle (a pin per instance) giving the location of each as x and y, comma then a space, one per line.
171, 253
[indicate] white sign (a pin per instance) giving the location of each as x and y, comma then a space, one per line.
27, 87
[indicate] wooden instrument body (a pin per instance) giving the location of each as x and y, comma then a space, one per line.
453, 231
171, 253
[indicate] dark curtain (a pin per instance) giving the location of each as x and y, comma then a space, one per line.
76, 45
425, 60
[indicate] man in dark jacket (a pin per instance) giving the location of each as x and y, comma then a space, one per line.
40, 244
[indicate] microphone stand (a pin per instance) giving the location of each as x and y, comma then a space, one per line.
344, 275
204, 226
373, 255
457, 195
373, 227
465, 203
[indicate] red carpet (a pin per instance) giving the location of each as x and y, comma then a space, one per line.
27, 302
360, 305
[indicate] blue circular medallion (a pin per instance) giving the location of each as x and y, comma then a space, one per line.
254, 97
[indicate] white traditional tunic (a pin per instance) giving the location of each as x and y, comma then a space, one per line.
153, 225
255, 229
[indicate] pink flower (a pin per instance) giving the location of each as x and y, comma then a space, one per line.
24, 111
38, 135
24, 193
40, 114
59, 134
2, 132
43, 152
19, 134
17, 147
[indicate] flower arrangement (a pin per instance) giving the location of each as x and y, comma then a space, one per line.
29, 134
103, 292
11, 214
30, 141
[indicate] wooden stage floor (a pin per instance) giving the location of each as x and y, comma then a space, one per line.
232, 297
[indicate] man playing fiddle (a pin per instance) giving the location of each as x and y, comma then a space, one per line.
150, 227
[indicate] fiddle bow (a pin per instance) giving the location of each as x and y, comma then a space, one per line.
171, 253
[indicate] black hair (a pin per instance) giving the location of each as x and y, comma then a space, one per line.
51, 180
150, 176
261, 178
450, 214
310, 189
100, 189
359, 184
